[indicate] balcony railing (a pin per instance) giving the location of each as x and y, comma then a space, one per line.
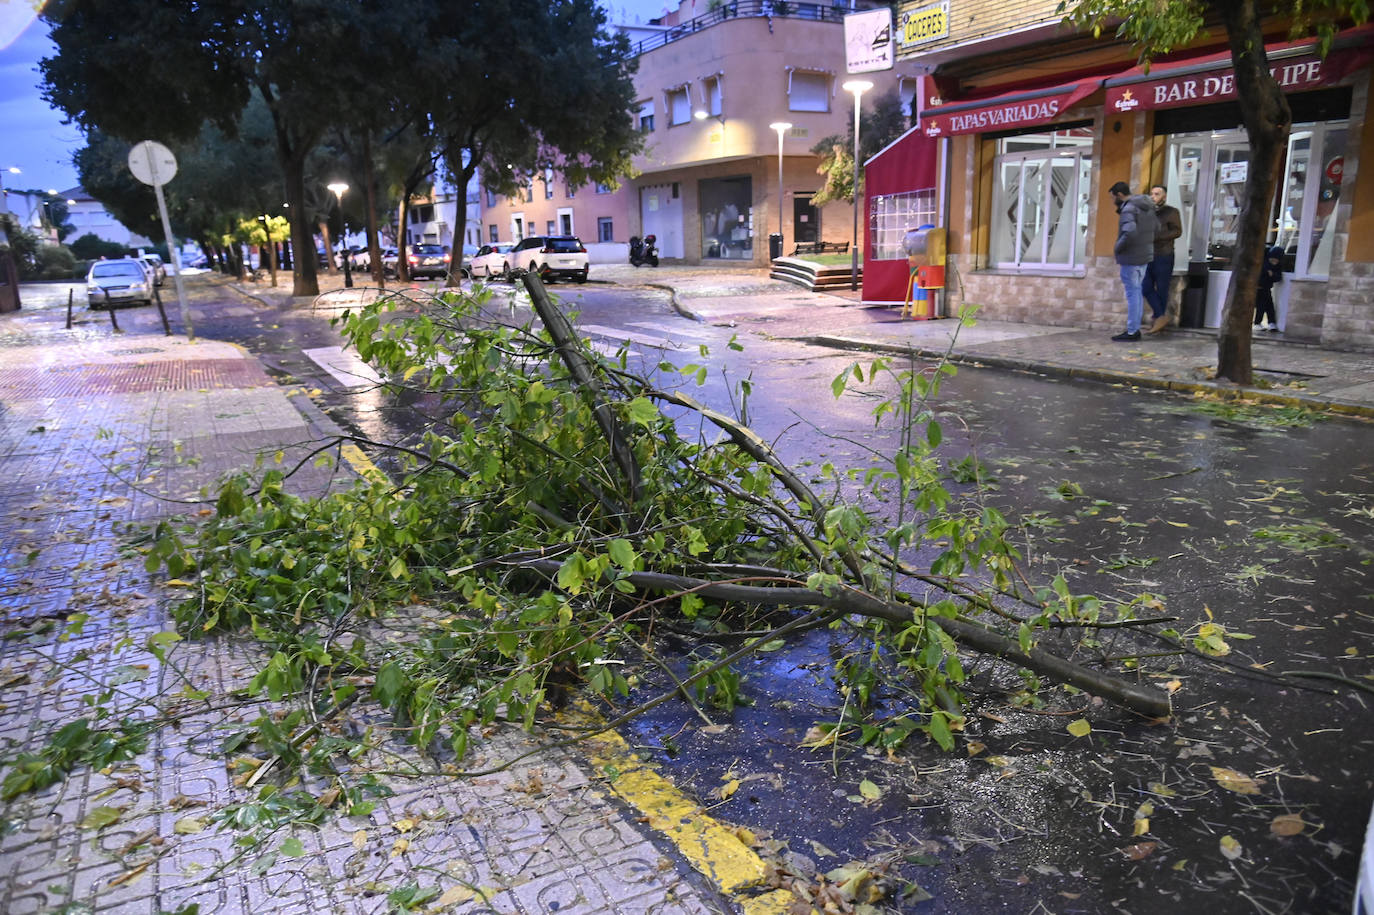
744, 9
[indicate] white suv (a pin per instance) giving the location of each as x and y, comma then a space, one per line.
550, 256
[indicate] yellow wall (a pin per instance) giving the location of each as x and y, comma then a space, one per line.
1360, 244
1115, 165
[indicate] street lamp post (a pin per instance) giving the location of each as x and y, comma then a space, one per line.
781, 127
858, 87
338, 187
4, 199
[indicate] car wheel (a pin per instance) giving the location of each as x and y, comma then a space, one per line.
582, 277
506, 274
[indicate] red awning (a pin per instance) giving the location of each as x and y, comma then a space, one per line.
1005, 112
1211, 78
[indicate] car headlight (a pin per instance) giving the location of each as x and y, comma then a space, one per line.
136, 286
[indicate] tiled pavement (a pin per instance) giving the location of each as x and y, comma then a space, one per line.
100, 433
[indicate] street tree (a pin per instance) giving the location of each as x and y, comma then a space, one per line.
206, 61
515, 87
884, 122
1155, 29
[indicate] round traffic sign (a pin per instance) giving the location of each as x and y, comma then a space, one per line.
152, 163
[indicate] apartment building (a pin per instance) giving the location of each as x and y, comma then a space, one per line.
1036, 121
712, 78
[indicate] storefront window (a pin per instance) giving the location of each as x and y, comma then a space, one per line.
1040, 199
893, 215
727, 218
1206, 179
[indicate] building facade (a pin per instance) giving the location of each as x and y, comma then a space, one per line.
1036, 121
711, 79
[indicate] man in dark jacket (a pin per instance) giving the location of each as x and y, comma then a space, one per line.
1160, 271
1135, 247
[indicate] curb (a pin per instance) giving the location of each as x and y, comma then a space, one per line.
1196, 388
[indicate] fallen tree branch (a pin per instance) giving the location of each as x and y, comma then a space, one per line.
1151, 703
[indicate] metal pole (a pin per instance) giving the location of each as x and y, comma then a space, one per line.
71, 293
344, 252
780, 194
854, 244
171, 245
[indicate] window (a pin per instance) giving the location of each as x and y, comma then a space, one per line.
572, 191
565, 222
727, 218
679, 103
548, 184
602, 189
891, 216
549, 228
646, 116
491, 233
808, 90
529, 191
710, 90
423, 212
1040, 199
604, 229
491, 198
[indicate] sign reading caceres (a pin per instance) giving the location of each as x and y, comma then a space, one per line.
917, 25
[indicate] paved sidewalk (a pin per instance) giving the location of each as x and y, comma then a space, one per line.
101, 433
1287, 372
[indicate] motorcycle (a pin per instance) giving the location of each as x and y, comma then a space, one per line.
644, 251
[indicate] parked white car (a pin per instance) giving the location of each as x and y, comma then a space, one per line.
123, 280
490, 260
152, 263
550, 256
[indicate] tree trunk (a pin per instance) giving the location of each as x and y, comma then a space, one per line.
403, 240
374, 247
1267, 119
328, 247
460, 223
305, 280
272, 259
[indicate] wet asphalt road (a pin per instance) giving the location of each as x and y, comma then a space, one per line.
1263, 520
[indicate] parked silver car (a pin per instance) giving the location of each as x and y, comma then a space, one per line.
115, 281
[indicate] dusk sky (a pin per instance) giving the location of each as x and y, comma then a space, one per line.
32, 135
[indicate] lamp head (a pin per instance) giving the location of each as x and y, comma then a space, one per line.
857, 86
780, 126
338, 187
14, 170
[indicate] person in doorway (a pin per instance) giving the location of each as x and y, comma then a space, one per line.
1135, 246
1159, 272
1271, 273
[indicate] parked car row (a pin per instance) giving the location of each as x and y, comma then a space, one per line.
549, 256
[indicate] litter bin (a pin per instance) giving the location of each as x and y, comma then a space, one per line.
774, 246
1193, 308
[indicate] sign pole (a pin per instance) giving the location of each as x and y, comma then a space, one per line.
143, 162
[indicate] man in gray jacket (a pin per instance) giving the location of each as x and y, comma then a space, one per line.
1135, 248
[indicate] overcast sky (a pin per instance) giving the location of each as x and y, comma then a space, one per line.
32, 135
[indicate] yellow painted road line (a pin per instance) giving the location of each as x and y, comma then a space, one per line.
362, 465
715, 850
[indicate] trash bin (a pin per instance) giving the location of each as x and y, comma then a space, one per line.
1193, 308
774, 246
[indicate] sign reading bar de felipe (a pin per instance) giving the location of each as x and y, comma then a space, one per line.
1216, 85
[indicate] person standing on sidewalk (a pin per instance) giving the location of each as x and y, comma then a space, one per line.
1135, 247
1160, 271
1271, 274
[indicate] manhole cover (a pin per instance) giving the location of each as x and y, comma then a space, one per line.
137, 351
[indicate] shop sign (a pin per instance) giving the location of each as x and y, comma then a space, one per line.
918, 25
1005, 113
1208, 86
868, 44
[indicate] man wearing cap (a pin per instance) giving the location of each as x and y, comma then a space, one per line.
1135, 248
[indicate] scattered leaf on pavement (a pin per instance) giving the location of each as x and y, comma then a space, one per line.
1230, 848
1232, 780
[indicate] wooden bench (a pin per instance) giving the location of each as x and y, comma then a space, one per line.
820, 247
